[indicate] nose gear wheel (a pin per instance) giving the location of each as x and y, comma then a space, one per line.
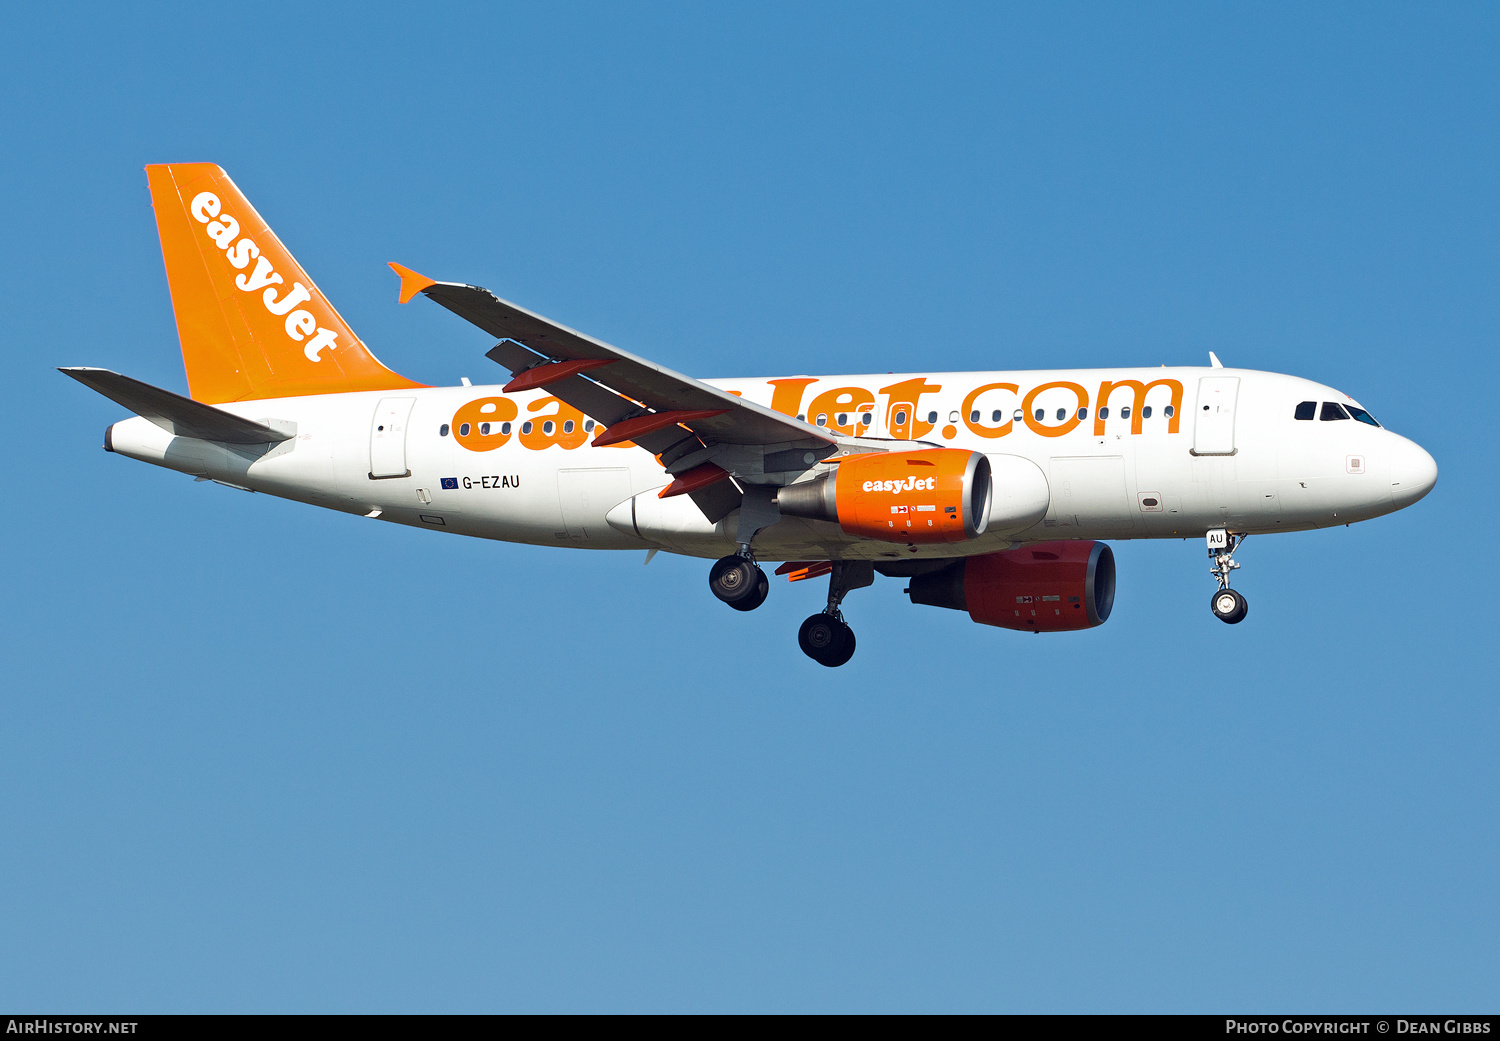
1229, 606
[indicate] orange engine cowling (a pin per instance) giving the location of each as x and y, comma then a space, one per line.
1046, 587
932, 495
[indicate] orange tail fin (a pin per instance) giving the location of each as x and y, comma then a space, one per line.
252, 324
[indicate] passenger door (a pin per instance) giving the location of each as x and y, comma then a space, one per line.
1213, 426
388, 438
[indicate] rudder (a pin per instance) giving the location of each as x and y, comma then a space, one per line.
252, 324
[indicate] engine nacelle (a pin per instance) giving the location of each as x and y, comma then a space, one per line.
932, 495
1045, 587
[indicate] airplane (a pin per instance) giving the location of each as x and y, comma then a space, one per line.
991, 493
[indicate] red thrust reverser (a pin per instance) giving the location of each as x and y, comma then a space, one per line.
1046, 587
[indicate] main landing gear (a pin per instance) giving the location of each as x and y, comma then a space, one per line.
739, 582
736, 579
825, 637
1228, 605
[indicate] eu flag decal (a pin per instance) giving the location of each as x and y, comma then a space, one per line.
450, 483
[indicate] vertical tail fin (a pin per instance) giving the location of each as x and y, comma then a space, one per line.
252, 324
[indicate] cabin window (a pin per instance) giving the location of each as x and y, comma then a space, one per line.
822, 419
588, 424
843, 419
1104, 412
801, 417
1168, 411
996, 416
932, 417
901, 418
1361, 415
526, 427
1125, 412
1307, 410
568, 426
1062, 414
1019, 415
1146, 412
1040, 415
867, 418
443, 430
505, 428
484, 430
548, 427
463, 430
1083, 413
1332, 410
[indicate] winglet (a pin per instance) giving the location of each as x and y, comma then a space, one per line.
411, 282
1213, 359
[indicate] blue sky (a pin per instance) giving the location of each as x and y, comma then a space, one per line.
256, 756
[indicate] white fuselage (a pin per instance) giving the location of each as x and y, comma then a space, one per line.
1230, 455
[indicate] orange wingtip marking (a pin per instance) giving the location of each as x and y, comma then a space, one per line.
556, 372
700, 476
640, 426
411, 282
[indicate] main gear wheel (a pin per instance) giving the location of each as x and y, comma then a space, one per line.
739, 583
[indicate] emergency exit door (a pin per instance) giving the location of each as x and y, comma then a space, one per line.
1213, 429
388, 438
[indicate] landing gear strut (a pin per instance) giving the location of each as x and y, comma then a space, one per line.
1228, 605
825, 637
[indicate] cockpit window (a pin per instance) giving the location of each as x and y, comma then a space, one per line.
1361, 415
1332, 410
1307, 410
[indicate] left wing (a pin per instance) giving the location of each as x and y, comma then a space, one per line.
701, 433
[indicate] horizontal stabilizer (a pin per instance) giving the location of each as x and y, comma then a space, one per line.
177, 415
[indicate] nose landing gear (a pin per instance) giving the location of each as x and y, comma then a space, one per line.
1228, 605
825, 637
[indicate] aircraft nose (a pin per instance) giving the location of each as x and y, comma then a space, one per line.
1413, 473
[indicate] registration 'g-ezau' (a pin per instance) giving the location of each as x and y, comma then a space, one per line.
987, 492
